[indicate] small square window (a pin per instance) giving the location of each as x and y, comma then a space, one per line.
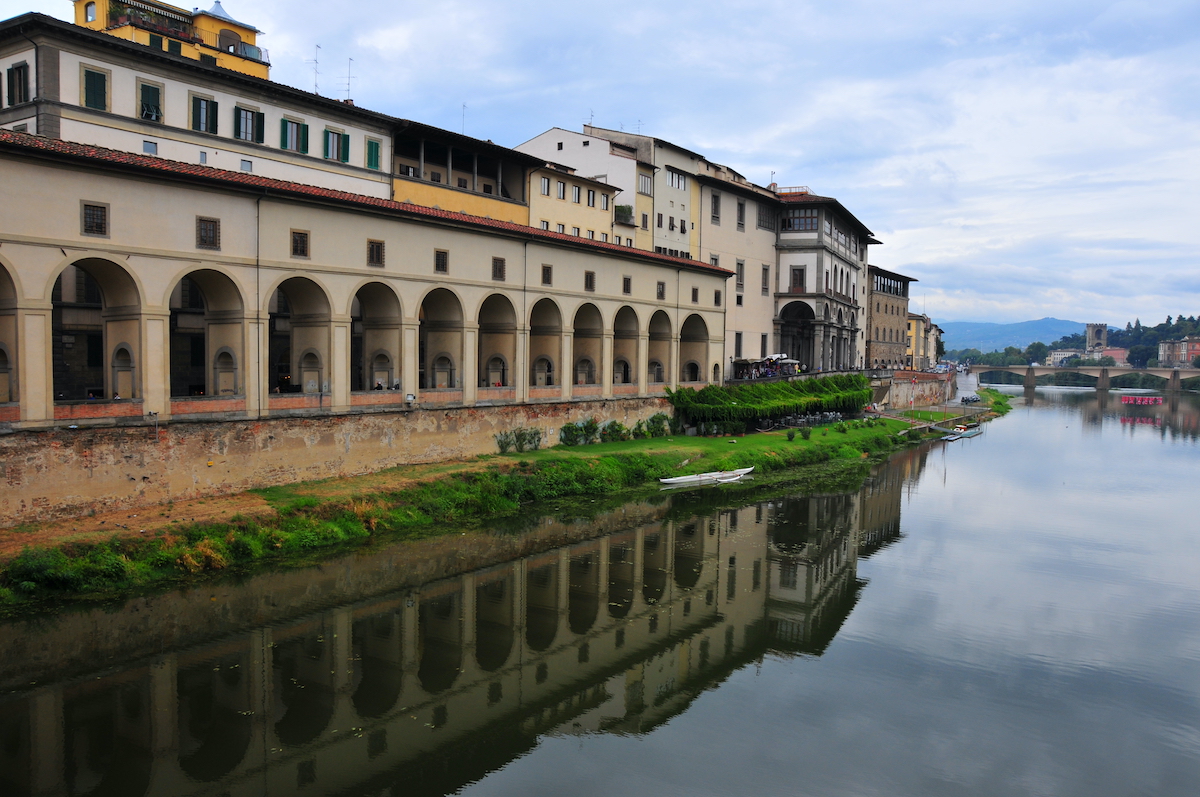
629, 242
562, 228
299, 243
435, 177
441, 261
498, 268
462, 182
738, 300
208, 233
149, 147
604, 237
95, 219
547, 275
375, 253
695, 296
589, 280
660, 292
487, 188
203, 156
545, 186
575, 193
626, 285
575, 231
247, 166
591, 234
545, 225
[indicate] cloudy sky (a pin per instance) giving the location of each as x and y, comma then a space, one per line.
1021, 159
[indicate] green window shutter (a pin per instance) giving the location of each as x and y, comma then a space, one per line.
174, 47
212, 116
237, 122
197, 110
345, 139
283, 124
304, 139
95, 90
260, 127
325, 144
372, 154
12, 90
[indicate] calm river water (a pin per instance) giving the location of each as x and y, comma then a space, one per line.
1016, 614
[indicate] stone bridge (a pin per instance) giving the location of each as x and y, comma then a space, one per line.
1104, 375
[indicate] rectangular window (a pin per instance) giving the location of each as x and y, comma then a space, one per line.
151, 102
18, 84
716, 298
375, 253
716, 208
671, 223
435, 177
249, 125
208, 60
645, 221
738, 300
488, 188
174, 47
94, 219
741, 275
204, 115
208, 233
660, 291
575, 193
575, 231
547, 275
299, 243
766, 217
149, 147
561, 190
337, 146
741, 215
645, 185
293, 136
799, 220
763, 347
545, 186
498, 269
545, 225
629, 242
604, 201
766, 280
682, 225
562, 228
156, 41
626, 285
247, 166
797, 280
737, 345
591, 198
95, 89
374, 154
591, 234
695, 295
604, 237
660, 221
441, 261
828, 226
589, 280
714, 260
677, 179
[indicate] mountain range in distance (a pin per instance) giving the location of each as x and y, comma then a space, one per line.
987, 336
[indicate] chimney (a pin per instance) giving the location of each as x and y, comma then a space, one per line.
348, 101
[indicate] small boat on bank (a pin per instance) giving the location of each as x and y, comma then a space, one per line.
712, 477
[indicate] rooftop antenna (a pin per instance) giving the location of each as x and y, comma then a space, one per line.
349, 76
464, 121
316, 62
639, 127
772, 177
591, 117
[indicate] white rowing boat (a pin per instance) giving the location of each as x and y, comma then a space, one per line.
712, 477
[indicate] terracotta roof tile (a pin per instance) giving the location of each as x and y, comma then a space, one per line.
150, 163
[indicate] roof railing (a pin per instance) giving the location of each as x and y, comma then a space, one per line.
793, 189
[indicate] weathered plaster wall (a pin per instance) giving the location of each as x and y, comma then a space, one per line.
930, 389
68, 472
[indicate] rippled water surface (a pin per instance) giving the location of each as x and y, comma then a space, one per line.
1015, 614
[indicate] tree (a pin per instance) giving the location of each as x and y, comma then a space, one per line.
941, 349
1036, 352
1138, 355
1196, 362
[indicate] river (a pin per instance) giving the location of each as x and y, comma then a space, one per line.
1014, 614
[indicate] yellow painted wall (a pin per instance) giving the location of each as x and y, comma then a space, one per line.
446, 198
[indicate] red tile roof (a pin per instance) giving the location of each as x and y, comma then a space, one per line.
13, 141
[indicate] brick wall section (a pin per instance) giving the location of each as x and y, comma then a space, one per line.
434, 397
378, 398
625, 390
67, 472
497, 394
201, 406
98, 409
10, 413
297, 401
544, 393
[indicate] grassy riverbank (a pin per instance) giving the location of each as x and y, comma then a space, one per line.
994, 400
308, 520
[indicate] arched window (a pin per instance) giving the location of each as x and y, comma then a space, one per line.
543, 372
621, 372
122, 372
716, 375
310, 372
497, 372
655, 372
443, 372
381, 371
225, 373
5, 377
691, 372
89, 12
585, 371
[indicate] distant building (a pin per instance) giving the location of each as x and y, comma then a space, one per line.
887, 318
1179, 353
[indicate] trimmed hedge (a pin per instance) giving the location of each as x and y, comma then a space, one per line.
839, 393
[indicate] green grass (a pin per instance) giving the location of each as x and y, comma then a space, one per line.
930, 415
501, 493
996, 401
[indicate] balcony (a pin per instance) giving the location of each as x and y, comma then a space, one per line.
623, 214
169, 27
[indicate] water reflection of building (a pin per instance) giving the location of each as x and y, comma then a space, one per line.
1178, 415
433, 686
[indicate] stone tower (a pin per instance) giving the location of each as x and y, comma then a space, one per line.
1097, 336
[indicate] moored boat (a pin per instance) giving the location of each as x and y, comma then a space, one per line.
712, 477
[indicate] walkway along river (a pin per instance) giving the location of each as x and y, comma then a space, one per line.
1014, 614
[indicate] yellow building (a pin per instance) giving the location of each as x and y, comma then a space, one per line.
562, 201
211, 37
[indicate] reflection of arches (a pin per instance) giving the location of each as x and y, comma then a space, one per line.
375, 329
493, 623
377, 646
215, 721
689, 556
654, 569
620, 580
541, 606
299, 325
441, 339
96, 305
106, 741
302, 691
545, 342
440, 633
497, 340
583, 595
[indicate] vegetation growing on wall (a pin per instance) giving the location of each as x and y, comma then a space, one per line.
745, 403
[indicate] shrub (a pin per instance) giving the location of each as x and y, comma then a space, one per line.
613, 432
791, 435
806, 432
591, 430
570, 435
842, 427
505, 441
527, 439
657, 426
639, 432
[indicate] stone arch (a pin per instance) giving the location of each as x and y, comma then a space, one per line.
441, 340
8, 334
214, 715
659, 357
541, 606
545, 343
625, 346
299, 312
497, 340
103, 303
797, 333
376, 348
494, 623
693, 348
377, 645
588, 331
207, 317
